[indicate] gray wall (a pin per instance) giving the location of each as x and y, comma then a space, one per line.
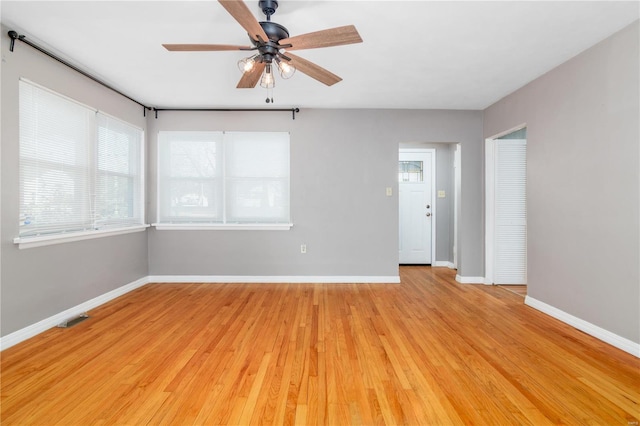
341, 163
40, 282
583, 182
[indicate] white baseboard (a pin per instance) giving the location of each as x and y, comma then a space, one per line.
593, 330
469, 280
30, 331
252, 279
47, 323
443, 264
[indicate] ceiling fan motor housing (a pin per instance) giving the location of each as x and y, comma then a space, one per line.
275, 32
269, 49
268, 7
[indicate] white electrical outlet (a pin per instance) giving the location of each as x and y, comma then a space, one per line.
303, 248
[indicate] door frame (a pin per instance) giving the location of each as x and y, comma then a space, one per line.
457, 186
489, 203
431, 151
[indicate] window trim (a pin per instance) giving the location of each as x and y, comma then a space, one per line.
47, 240
222, 226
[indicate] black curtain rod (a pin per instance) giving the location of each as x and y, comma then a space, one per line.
15, 36
293, 111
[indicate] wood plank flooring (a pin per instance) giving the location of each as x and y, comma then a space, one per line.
428, 351
517, 289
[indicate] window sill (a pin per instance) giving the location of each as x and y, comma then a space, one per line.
222, 227
47, 240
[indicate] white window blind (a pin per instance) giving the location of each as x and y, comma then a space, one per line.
79, 170
119, 186
223, 177
257, 177
190, 177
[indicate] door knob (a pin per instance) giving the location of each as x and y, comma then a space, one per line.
428, 214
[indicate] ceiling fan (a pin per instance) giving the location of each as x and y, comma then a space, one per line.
268, 40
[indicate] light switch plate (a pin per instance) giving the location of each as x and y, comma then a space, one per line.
442, 194
389, 191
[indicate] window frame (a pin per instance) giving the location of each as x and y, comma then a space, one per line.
87, 224
222, 180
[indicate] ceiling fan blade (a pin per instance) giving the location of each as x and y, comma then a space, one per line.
203, 47
326, 38
241, 13
313, 70
250, 78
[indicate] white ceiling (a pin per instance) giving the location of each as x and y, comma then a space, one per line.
415, 54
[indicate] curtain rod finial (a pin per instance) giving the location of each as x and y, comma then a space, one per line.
14, 36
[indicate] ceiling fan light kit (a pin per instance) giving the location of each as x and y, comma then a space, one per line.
270, 39
285, 69
247, 64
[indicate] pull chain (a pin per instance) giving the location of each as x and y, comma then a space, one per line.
269, 95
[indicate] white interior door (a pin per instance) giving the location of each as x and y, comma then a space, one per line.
416, 213
510, 212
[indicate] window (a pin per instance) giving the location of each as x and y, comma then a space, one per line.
223, 178
119, 189
80, 170
410, 171
190, 181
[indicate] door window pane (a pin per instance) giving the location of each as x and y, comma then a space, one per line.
410, 171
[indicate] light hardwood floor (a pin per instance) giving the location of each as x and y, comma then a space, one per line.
427, 351
517, 289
